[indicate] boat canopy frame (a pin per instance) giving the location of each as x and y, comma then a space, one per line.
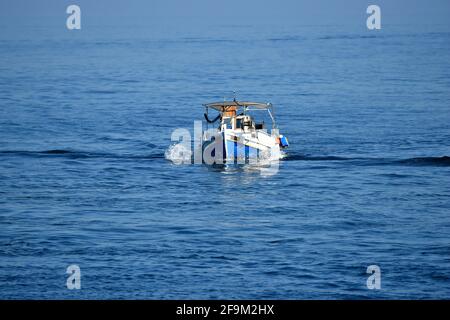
246, 106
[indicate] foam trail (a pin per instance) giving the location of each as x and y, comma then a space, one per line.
178, 154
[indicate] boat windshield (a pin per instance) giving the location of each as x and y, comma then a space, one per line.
235, 109
227, 123
238, 123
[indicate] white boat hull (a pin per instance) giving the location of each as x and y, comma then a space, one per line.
248, 145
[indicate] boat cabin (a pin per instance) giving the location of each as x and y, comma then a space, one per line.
234, 115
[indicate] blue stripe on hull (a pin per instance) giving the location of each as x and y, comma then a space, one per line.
233, 150
236, 150
229, 147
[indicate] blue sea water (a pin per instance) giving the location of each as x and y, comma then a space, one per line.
86, 117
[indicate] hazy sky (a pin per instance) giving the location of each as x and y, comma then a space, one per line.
237, 11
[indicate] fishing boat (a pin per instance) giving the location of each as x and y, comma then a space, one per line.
243, 136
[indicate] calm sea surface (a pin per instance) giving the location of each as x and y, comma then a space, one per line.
86, 117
